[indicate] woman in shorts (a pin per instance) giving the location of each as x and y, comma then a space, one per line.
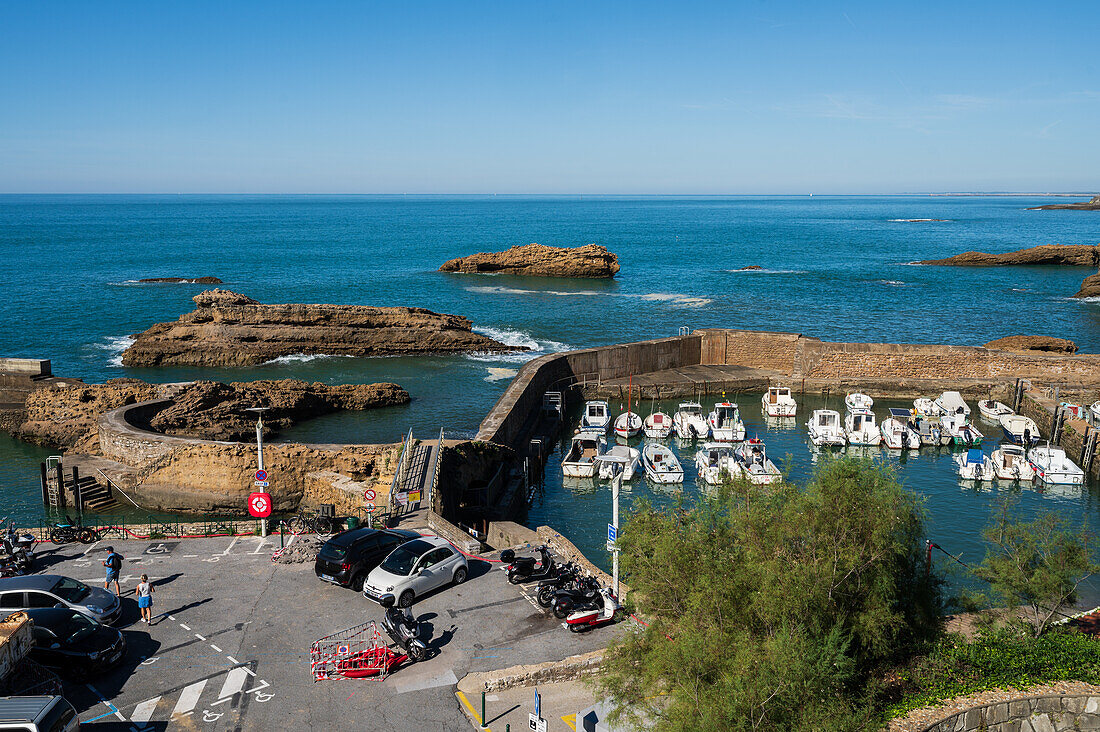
144, 592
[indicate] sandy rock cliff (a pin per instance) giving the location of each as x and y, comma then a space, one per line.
1090, 287
1030, 343
538, 260
1072, 255
230, 329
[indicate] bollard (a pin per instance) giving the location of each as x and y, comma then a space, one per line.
483, 725
282, 525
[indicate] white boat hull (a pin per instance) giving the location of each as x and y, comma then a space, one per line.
661, 465
1051, 465
657, 429
690, 428
982, 471
993, 410
827, 439
578, 470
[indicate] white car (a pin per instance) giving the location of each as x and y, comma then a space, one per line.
414, 569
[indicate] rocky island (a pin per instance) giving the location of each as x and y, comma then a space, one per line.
230, 329
181, 280
538, 260
1090, 205
1067, 255
1090, 287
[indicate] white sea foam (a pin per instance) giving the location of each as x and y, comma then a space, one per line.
113, 346
499, 374
765, 271
1020, 289
516, 338
893, 283
303, 358
920, 221
493, 290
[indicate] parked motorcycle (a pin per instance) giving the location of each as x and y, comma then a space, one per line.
525, 569
15, 547
65, 531
599, 610
403, 629
566, 579
567, 599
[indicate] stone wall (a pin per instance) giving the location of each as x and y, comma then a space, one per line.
1029, 714
755, 349
25, 366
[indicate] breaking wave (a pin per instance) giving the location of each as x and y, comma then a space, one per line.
673, 299
918, 221
303, 358
113, 346
765, 271
518, 339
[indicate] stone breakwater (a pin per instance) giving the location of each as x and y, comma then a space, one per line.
538, 260
230, 329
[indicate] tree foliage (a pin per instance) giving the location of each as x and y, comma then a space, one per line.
770, 608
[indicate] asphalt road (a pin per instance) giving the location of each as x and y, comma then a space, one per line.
229, 646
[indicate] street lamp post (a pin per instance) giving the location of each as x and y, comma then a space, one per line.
260, 452
616, 482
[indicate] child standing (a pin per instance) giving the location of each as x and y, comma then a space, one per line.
144, 592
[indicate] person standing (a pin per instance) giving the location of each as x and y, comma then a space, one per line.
144, 592
113, 563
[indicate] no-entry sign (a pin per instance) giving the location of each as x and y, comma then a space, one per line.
259, 505
368, 495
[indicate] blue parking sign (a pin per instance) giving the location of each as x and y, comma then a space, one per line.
612, 533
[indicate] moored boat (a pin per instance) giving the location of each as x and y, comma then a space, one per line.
689, 422
657, 426
925, 407
860, 428
857, 402
715, 462
952, 404
619, 458
897, 433
753, 463
1020, 429
825, 428
778, 402
661, 465
960, 430
1010, 463
1094, 412
580, 461
725, 423
596, 417
1052, 465
975, 465
994, 410
1073, 411
627, 425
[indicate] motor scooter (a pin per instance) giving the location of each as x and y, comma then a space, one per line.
524, 569
600, 610
567, 599
403, 629
567, 577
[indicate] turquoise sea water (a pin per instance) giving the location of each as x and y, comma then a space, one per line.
835, 267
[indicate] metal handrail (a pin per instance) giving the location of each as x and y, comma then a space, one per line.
438, 463
114, 486
397, 473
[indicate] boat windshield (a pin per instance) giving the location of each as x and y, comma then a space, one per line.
693, 409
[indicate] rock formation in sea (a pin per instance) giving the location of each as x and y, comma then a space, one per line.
182, 280
750, 268
65, 416
230, 329
1091, 205
538, 260
1073, 255
1032, 343
1090, 287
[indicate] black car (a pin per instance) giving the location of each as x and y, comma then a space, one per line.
346, 559
72, 643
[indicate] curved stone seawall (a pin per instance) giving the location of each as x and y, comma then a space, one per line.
1028, 714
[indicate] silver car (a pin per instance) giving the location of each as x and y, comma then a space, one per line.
53, 590
414, 569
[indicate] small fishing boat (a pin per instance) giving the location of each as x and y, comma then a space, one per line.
752, 461
716, 463
1053, 466
596, 417
825, 428
857, 402
580, 461
627, 425
994, 410
619, 458
725, 423
1073, 411
689, 422
951, 403
975, 465
925, 407
930, 431
657, 426
778, 402
1010, 463
897, 433
861, 428
960, 430
661, 465
1020, 429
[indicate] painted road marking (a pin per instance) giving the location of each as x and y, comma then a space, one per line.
470, 708
189, 698
143, 712
215, 648
447, 678
185, 627
571, 720
90, 547
161, 547
232, 660
260, 547
109, 705
231, 545
234, 682
199, 637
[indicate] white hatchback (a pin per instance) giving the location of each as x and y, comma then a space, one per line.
414, 569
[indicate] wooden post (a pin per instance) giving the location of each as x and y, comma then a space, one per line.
45, 486
78, 494
60, 487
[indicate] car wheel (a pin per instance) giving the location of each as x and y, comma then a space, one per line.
357, 582
406, 599
460, 575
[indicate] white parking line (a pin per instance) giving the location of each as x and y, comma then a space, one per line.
189, 698
234, 682
90, 547
215, 648
144, 712
185, 627
230, 547
260, 547
199, 637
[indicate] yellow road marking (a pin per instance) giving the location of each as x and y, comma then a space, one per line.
571, 720
470, 707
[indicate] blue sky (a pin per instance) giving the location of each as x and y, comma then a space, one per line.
551, 97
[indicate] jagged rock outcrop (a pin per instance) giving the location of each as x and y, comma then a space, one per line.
750, 268
1072, 255
181, 280
1091, 205
1090, 287
66, 416
230, 329
1030, 343
215, 411
539, 260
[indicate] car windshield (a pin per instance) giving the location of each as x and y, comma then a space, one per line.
401, 560
77, 627
70, 590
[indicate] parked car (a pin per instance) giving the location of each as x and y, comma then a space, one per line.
73, 644
37, 714
416, 568
53, 590
347, 558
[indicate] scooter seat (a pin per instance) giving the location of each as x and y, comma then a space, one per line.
524, 562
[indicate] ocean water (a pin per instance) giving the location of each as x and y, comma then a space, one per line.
838, 268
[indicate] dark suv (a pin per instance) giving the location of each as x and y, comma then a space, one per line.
346, 559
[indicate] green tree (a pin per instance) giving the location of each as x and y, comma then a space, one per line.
771, 608
1038, 564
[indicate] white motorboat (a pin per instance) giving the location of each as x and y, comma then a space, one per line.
930, 431
1073, 411
661, 465
1020, 429
657, 426
994, 410
951, 403
778, 402
753, 463
596, 417
580, 461
627, 425
1094, 412
689, 422
619, 458
1053, 466
925, 407
975, 465
716, 463
1010, 463
857, 402
897, 433
861, 428
825, 428
725, 423
960, 430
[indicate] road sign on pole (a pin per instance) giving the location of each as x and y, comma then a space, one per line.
261, 484
261, 475
369, 495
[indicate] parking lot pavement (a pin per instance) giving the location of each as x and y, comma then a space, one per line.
229, 648
512, 707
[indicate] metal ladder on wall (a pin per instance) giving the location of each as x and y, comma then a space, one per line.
53, 489
1089, 451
